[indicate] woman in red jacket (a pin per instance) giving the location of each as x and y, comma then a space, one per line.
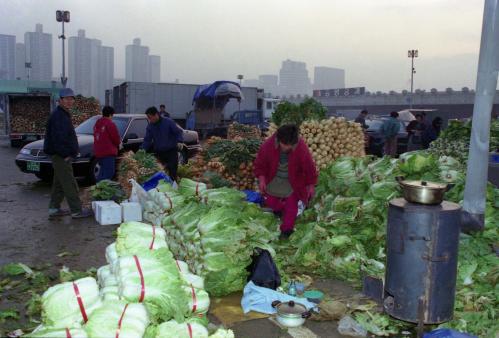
106, 144
286, 174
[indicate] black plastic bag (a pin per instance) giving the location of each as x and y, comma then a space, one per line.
263, 271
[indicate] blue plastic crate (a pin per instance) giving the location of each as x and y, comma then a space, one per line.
251, 117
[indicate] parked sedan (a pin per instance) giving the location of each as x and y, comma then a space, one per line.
132, 129
376, 140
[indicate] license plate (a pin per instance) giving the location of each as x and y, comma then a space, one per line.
31, 138
33, 166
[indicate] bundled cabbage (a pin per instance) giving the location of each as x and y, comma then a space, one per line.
66, 304
118, 318
175, 329
108, 284
217, 240
161, 201
152, 277
190, 188
43, 332
222, 196
112, 256
136, 237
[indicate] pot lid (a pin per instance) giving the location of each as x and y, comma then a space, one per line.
291, 308
424, 184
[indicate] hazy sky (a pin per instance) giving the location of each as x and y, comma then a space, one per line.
205, 40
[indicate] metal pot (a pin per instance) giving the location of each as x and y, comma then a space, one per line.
423, 192
291, 314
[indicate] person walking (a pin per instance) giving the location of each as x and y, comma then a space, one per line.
390, 130
163, 137
106, 144
61, 145
414, 130
286, 174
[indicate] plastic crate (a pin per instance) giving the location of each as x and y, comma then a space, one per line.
250, 117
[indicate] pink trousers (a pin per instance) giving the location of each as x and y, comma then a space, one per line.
288, 206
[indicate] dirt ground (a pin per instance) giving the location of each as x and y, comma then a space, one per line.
28, 237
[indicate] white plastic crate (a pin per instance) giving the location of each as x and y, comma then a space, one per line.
131, 211
108, 213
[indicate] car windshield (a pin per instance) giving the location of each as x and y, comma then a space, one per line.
87, 127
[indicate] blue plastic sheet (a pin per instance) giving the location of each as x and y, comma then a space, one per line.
256, 298
153, 181
253, 196
447, 333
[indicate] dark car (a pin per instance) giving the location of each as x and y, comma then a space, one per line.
132, 129
376, 140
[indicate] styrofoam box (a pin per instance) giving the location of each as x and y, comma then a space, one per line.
131, 211
96, 203
108, 213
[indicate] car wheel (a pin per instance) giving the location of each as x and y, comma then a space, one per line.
93, 172
16, 143
47, 178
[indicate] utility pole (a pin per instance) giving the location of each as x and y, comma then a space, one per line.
413, 53
63, 16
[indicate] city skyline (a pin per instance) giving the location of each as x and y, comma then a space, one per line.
368, 39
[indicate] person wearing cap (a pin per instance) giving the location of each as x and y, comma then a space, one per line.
62, 145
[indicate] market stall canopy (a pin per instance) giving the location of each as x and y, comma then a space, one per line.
216, 95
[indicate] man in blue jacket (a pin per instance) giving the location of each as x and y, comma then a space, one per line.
163, 136
390, 130
62, 145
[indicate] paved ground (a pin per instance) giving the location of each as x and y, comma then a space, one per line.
28, 236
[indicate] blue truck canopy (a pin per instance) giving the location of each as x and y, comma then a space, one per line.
216, 95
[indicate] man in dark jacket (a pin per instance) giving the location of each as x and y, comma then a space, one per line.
163, 137
62, 145
106, 144
361, 119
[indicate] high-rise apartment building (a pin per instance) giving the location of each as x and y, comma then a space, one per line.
269, 83
21, 71
154, 68
137, 62
91, 66
39, 54
329, 78
293, 78
7, 57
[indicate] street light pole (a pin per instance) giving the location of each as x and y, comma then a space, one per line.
63, 16
413, 53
